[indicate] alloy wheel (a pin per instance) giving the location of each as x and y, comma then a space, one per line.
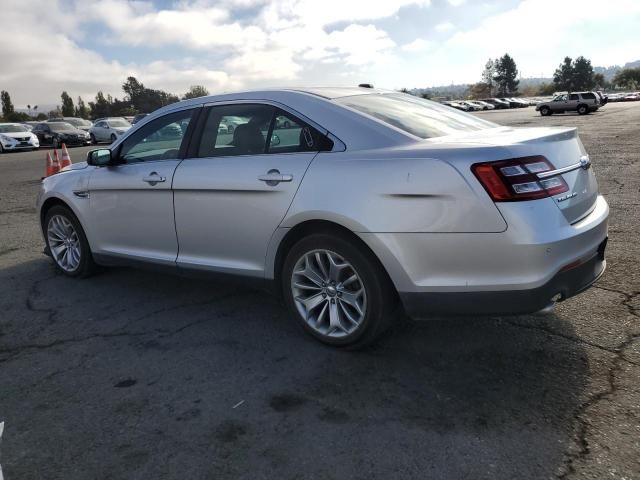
64, 243
328, 293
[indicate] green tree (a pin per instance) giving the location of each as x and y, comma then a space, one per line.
81, 110
68, 109
196, 91
506, 74
546, 89
563, 76
600, 81
625, 78
101, 107
41, 116
145, 100
7, 106
487, 75
582, 74
480, 90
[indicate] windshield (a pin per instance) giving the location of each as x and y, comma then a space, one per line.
12, 128
78, 122
61, 126
118, 123
419, 117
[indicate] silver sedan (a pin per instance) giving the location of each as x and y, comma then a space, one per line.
353, 203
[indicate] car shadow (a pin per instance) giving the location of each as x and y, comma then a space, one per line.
147, 375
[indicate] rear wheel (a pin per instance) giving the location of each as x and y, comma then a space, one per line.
583, 109
55, 143
67, 242
337, 292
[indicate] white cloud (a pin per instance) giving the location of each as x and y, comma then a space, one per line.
418, 45
444, 27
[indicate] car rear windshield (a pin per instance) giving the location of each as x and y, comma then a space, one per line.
61, 126
12, 128
118, 123
419, 117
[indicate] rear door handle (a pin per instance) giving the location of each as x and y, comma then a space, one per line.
274, 177
154, 178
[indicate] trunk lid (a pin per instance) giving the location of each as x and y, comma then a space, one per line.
560, 145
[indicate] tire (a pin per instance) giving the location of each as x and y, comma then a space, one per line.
61, 227
583, 109
55, 143
1, 149
545, 111
93, 139
372, 300
113, 137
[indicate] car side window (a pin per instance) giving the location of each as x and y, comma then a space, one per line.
293, 135
574, 96
160, 139
232, 130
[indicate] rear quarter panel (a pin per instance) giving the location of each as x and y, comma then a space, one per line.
376, 191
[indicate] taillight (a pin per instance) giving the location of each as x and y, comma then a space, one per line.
516, 179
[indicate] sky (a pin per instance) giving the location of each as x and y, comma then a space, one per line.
83, 46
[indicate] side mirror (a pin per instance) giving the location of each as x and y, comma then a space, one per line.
100, 157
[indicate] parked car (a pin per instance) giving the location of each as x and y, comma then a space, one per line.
403, 201
499, 104
513, 103
631, 97
458, 106
581, 102
79, 123
57, 133
473, 107
482, 105
230, 123
138, 117
108, 129
15, 136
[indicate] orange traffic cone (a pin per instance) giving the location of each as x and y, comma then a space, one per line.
66, 159
53, 166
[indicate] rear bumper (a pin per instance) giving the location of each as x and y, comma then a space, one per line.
563, 285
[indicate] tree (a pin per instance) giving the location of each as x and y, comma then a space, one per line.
7, 106
41, 116
81, 110
506, 73
196, 91
600, 82
67, 105
487, 75
628, 78
563, 76
582, 74
480, 90
101, 107
546, 89
145, 100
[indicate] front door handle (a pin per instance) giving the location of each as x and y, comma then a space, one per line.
274, 177
154, 178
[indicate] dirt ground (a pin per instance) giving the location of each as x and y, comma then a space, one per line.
136, 375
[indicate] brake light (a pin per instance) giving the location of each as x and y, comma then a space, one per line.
516, 179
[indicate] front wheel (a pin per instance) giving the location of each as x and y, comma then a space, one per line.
56, 143
113, 137
338, 293
67, 242
545, 111
93, 139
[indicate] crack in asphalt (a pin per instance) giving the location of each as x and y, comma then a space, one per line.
16, 351
583, 424
6, 251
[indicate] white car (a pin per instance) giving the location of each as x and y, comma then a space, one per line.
482, 105
15, 136
108, 129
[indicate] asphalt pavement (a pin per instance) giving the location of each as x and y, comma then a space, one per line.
136, 375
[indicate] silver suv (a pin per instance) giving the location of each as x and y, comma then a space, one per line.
581, 102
